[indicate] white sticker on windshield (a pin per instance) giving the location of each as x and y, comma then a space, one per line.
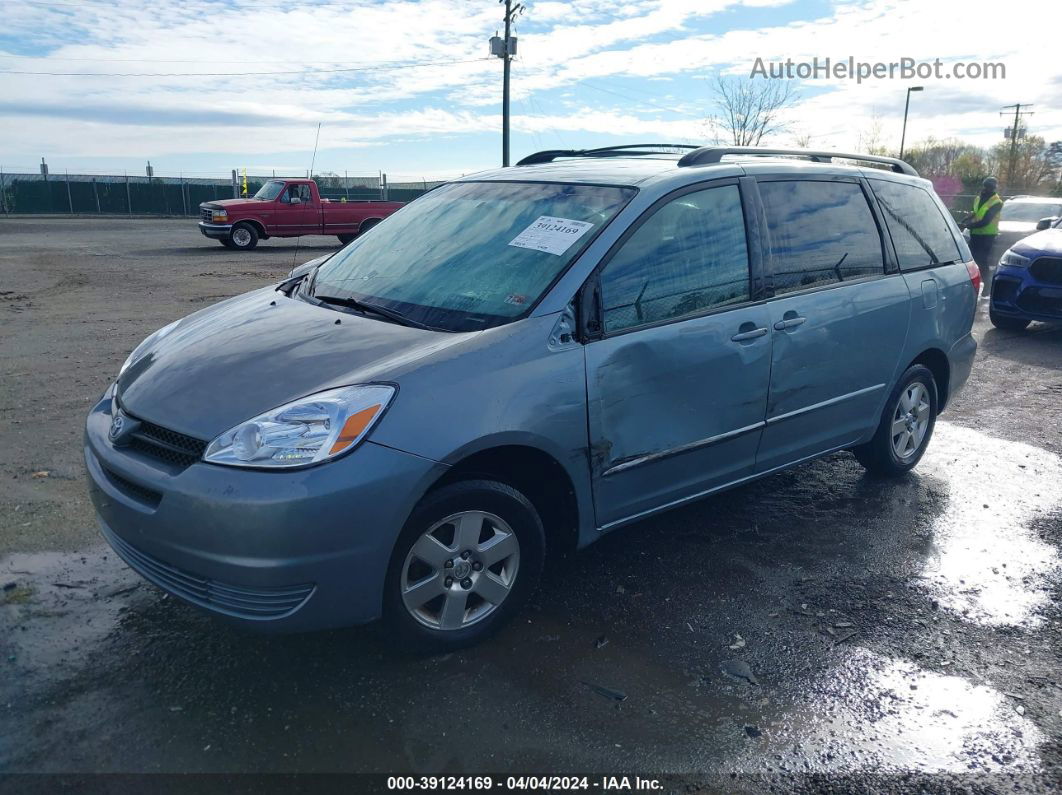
552, 235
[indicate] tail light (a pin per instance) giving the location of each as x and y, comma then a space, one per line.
975, 276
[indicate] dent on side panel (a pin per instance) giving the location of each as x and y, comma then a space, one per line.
650, 398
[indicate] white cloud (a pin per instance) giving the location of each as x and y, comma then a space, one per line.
591, 50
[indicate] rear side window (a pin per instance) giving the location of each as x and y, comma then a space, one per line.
919, 231
821, 233
689, 256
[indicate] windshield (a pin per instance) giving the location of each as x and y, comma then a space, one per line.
470, 255
270, 190
1029, 212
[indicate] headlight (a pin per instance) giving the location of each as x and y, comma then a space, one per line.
1013, 260
305, 431
142, 348
219, 216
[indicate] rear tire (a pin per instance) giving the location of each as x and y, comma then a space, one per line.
344, 239
1007, 323
243, 237
367, 225
467, 560
906, 425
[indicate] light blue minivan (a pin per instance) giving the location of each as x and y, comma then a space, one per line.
524, 360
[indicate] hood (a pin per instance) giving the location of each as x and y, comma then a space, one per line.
239, 358
232, 203
1049, 241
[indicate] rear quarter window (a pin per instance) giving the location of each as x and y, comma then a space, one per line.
919, 231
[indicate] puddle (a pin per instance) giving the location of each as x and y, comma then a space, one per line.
56, 606
881, 715
985, 561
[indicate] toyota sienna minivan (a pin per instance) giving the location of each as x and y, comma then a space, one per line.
524, 360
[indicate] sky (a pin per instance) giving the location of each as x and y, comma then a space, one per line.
409, 88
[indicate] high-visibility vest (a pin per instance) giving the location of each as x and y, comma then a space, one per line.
979, 211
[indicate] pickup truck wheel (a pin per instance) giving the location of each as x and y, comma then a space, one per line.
466, 561
243, 237
344, 239
367, 225
227, 243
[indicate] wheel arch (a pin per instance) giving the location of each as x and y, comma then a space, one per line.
537, 474
937, 361
259, 227
371, 221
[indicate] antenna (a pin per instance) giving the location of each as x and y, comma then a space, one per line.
313, 159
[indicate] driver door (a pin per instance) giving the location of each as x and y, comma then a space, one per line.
677, 385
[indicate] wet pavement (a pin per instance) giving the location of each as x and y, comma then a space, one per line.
817, 629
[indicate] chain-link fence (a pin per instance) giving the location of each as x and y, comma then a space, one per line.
95, 194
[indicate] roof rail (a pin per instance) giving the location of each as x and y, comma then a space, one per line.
714, 154
550, 155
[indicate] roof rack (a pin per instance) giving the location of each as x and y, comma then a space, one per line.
549, 155
714, 154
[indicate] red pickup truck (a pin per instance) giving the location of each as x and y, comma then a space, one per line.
288, 208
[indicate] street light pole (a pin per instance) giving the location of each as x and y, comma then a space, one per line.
906, 107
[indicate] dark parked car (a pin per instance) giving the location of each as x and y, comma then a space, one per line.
525, 360
1028, 283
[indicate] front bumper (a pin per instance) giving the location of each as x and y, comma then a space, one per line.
215, 231
1017, 293
278, 551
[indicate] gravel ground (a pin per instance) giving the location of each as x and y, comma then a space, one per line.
816, 630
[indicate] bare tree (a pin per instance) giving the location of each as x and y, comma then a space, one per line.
750, 111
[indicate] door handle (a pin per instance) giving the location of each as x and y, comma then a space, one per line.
748, 335
788, 323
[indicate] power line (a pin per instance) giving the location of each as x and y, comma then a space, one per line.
289, 73
642, 102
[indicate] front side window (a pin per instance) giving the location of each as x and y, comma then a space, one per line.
689, 256
821, 233
470, 255
919, 231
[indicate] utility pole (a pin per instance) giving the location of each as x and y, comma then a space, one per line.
505, 48
1014, 134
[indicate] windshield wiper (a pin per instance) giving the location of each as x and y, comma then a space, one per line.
382, 311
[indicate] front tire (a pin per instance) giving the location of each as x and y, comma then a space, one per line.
467, 560
1007, 323
243, 237
906, 425
226, 242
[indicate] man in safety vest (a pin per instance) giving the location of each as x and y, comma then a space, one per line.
983, 224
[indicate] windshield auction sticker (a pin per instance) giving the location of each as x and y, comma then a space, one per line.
552, 235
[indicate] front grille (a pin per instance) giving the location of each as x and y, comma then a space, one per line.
166, 445
1047, 269
134, 490
233, 600
1032, 300
205, 214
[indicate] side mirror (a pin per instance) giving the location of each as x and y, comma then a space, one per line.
1045, 223
296, 200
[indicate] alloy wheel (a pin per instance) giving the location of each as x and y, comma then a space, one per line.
460, 570
910, 420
